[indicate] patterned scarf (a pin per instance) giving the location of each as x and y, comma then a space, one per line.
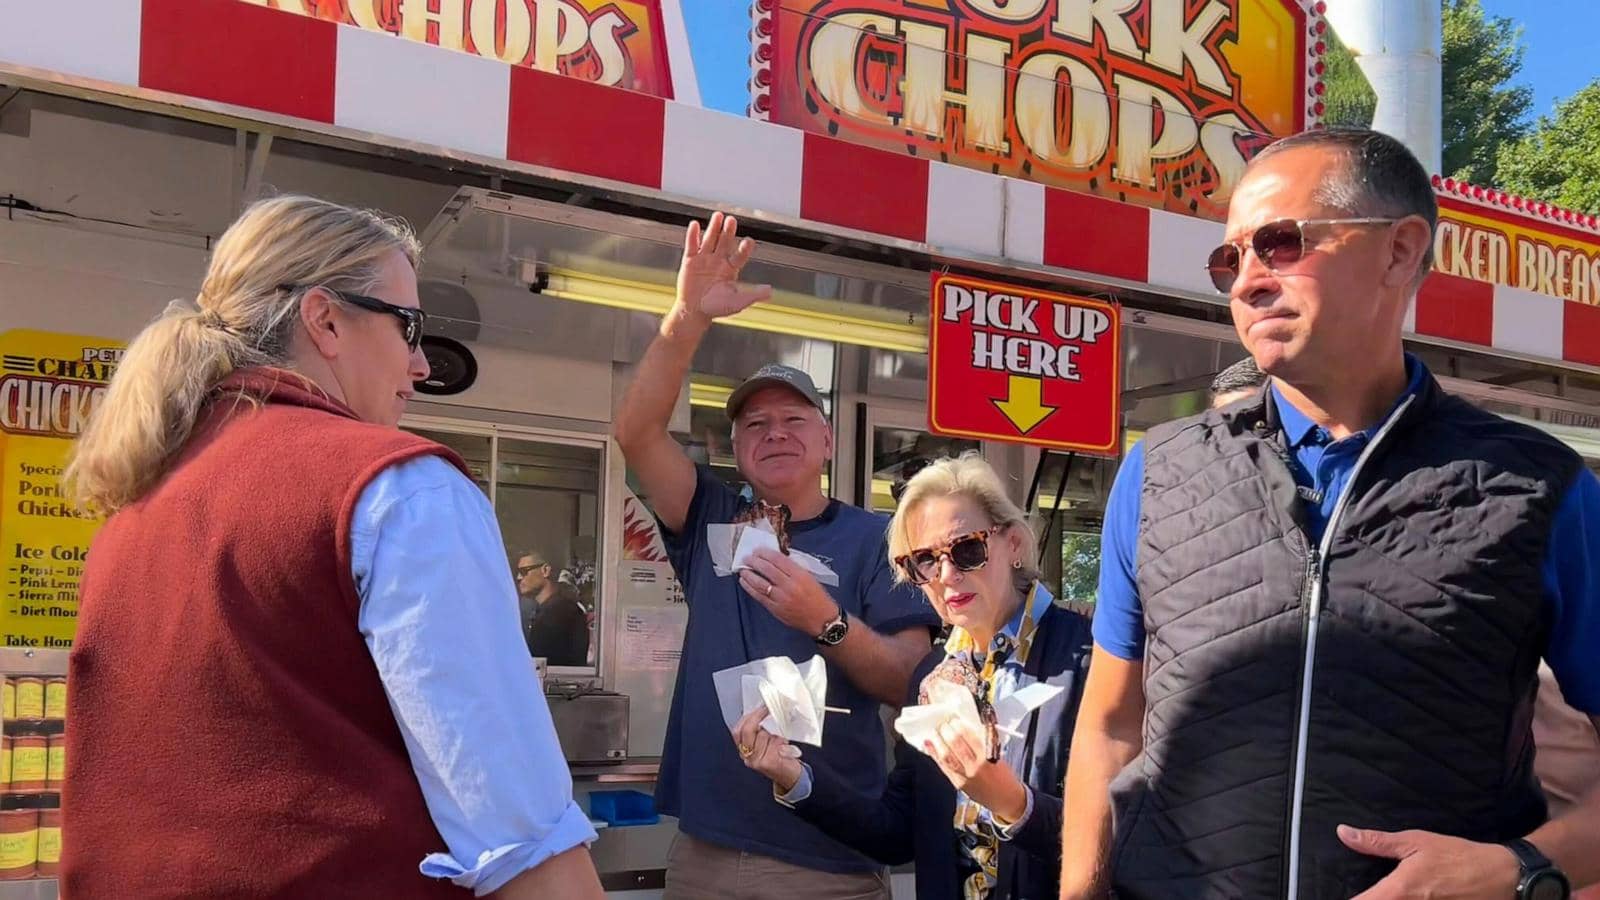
1001, 670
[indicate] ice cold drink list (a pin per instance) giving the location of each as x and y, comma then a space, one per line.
49, 386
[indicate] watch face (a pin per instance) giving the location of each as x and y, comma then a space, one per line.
1548, 886
834, 633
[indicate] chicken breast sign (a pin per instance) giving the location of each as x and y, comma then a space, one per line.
1009, 363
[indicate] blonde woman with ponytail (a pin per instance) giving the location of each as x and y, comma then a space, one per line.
298, 670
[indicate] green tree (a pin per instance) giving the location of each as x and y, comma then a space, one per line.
1080, 566
1483, 111
1559, 160
1349, 99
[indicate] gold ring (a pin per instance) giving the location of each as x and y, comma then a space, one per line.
769, 589
744, 752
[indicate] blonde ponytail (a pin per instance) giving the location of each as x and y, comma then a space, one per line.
242, 318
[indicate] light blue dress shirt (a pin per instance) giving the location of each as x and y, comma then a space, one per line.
439, 614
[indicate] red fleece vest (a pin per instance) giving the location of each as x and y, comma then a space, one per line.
230, 736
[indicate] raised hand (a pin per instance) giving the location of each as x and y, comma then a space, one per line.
708, 279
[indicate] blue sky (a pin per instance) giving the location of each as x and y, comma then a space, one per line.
1559, 35
719, 38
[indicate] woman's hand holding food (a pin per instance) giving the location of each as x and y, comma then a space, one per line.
766, 752
961, 754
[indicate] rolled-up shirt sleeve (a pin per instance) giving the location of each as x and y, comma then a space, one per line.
439, 615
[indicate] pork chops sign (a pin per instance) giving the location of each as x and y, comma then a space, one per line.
1014, 364
1158, 102
618, 43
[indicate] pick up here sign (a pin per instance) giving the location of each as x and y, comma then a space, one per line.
1014, 364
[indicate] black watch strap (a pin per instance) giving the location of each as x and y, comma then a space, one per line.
1528, 856
1537, 871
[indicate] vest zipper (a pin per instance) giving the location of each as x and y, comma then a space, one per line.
1308, 587
1311, 612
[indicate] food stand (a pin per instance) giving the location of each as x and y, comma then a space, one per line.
549, 156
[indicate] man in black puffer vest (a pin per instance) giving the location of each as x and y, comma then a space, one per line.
1322, 607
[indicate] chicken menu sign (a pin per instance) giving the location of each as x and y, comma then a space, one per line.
1008, 363
1519, 243
1157, 102
49, 386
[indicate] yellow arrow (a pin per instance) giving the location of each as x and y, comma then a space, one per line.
1022, 404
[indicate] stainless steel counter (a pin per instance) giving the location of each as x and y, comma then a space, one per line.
640, 770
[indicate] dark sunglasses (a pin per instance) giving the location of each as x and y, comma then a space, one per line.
967, 553
412, 320
1276, 244
522, 571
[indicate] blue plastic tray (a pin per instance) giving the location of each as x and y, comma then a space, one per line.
620, 808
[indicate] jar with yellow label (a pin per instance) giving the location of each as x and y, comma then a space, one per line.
5, 764
30, 762
19, 837
8, 699
30, 697
56, 761
55, 699
50, 835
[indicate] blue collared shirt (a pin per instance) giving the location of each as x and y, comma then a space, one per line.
439, 614
1323, 464
1571, 570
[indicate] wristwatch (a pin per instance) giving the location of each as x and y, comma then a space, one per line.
1539, 878
832, 634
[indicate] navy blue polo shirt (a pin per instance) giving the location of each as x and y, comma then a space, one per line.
703, 782
1571, 573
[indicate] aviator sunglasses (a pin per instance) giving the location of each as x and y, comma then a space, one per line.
412, 320
967, 553
1276, 244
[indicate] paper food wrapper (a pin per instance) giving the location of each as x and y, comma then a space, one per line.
732, 545
948, 700
794, 696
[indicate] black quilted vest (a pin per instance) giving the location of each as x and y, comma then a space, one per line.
1403, 648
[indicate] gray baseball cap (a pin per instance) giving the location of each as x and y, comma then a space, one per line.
774, 375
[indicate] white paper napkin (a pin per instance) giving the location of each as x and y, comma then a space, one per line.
794, 696
727, 559
948, 700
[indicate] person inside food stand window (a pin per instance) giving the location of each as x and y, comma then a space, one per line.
1322, 608
553, 616
734, 841
978, 812
318, 601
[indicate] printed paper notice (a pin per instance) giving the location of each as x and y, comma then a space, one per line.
49, 384
652, 639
